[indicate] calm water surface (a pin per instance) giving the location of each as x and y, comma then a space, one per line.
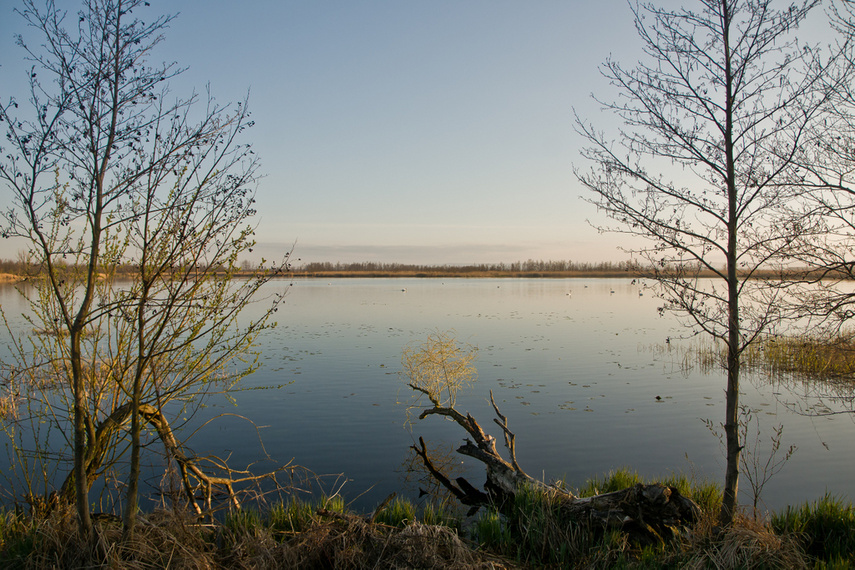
576, 366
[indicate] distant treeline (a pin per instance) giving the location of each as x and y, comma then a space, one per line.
530, 265
529, 268
522, 268
125, 270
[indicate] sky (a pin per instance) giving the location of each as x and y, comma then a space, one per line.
410, 132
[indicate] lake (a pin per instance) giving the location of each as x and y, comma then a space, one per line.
575, 364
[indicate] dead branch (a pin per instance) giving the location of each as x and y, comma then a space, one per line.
194, 478
648, 513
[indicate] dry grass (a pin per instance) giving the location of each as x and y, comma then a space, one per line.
747, 544
326, 536
347, 541
167, 540
352, 543
162, 541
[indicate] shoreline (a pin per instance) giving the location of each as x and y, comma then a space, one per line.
468, 273
446, 274
488, 274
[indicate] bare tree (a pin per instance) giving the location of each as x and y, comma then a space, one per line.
697, 174
109, 171
826, 172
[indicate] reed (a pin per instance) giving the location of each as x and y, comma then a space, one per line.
807, 357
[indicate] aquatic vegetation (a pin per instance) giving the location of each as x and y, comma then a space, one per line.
806, 357
778, 357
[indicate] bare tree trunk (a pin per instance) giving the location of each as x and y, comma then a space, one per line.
131, 498
731, 422
81, 485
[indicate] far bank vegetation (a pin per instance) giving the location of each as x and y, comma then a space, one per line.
11, 271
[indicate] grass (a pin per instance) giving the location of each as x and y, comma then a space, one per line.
535, 536
398, 513
442, 514
705, 493
810, 358
825, 529
297, 516
322, 533
534, 532
17, 535
805, 358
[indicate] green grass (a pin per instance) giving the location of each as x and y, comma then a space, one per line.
612, 481
531, 532
441, 514
297, 516
539, 534
401, 512
534, 532
825, 529
705, 493
243, 521
398, 513
17, 537
490, 531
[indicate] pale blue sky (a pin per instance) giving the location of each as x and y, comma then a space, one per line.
413, 132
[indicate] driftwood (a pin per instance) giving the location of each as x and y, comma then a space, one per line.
647, 513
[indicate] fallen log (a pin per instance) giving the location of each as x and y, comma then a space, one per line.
648, 514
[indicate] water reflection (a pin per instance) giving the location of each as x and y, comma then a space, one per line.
570, 364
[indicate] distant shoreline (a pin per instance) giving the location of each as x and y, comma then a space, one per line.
464, 274
17, 274
477, 274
